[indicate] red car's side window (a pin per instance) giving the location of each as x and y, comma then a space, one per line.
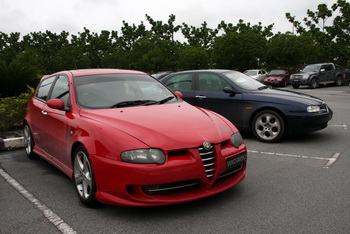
44, 88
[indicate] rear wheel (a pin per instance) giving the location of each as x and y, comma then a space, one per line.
84, 177
338, 81
28, 142
268, 126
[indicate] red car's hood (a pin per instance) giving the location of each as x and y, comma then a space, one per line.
165, 126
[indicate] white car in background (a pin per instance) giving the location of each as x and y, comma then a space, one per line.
257, 74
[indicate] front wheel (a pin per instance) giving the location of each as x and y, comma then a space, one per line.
296, 86
313, 84
84, 177
268, 126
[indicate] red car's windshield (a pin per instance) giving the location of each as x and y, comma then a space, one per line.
119, 90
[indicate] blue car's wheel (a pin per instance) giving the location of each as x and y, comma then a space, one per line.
268, 126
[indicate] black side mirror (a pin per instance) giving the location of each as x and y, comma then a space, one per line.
229, 90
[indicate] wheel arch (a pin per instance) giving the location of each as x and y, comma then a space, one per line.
73, 148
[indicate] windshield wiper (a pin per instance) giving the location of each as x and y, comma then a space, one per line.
133, 103
262, 87
165, 100
141, 102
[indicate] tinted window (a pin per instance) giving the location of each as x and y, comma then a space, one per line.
180, 82
211, 82
44, 88
61, 89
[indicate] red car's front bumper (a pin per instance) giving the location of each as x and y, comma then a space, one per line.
182, 178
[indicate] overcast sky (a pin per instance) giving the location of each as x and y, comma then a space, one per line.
27, 16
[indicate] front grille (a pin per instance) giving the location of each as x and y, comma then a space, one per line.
208, 160
170, 188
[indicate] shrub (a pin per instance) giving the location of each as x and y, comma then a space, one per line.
13, 110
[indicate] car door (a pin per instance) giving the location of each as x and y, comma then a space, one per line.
55, 122
37, 113
325, 73
209, 94
182, 82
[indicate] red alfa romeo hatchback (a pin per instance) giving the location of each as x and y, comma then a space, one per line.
126, 139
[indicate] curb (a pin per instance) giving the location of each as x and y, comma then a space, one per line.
11, 143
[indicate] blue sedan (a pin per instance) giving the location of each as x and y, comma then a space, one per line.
251, 106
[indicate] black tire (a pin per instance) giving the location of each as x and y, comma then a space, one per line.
296, 86
313, 84
284, 83
83, 176
268, 126
29, 142
338, 81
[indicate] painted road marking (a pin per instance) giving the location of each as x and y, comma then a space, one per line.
47, 212
329, 163
332, 160
344, 126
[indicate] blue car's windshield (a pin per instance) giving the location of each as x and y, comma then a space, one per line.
243, 81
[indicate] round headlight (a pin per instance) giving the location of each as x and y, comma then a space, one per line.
236, 139
143, 156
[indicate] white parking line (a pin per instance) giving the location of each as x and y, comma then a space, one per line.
47, 212
332, 160
329, 163
344, 126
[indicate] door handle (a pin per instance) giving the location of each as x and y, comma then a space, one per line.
43, 112
200, 96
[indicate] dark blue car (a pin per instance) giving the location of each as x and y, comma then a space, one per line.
250, 105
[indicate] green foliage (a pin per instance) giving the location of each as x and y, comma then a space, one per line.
13, 109
239, 50
193, 57
289, 51
14, 78
323, 35
333, 37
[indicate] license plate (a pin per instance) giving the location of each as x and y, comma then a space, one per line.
236, 160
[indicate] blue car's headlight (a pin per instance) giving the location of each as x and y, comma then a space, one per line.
143, 156
236, 139
313, 109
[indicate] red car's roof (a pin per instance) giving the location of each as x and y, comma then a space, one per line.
85, 72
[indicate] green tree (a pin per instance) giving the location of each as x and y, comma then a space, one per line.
46, 44
10, 46
199, 37
289, 51
193, 57
15, 77
239, 50
69, 58
334, 40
